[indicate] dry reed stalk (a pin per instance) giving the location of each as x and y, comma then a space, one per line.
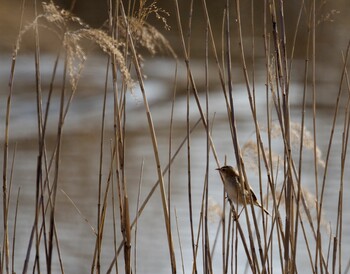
257, 130
277, 106
11, 178
44, 207
50, 16
222, 81
43, 225
262, 251
102, 216
345, 136
41, 147
99, 232
187, 51
4, 260
216, 238
279, 40
298, 198
127, 244
155, 147
195, 92
151, 192
277, 82
119, 142
180, 245
14, 232
345, 140
57, 167
267, 48
114, 211
137, 210
208, 268
170, 141
318, 251
189, 177
58, 250
226, 244
79, 212
228, 58
344, 146
322, 262
282, 68
119, 113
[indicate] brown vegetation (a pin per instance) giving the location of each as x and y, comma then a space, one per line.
296, 212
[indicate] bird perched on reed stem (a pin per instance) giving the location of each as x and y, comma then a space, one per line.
235, 190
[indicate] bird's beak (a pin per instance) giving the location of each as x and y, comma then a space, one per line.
217, 168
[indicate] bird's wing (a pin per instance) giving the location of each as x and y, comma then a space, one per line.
253, 195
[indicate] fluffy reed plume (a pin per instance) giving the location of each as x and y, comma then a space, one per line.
145, 10
295, 134
60, 17
145, 35
214, 210
76, 55
62, 25
310, 208
250, 148
71, 30
250, 154
328, 17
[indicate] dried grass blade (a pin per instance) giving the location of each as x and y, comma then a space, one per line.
155, 148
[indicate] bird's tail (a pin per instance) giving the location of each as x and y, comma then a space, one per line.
266, 211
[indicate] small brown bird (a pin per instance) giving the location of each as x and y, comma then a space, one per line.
234, 189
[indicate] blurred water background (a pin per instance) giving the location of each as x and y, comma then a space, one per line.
81, 137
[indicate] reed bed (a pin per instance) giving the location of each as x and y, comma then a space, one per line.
255, 242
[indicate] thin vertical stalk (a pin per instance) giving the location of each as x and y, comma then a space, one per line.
8, 198
267, 47
4, 174
313, 62
189, 178
137, 209
153, 189
336, 109
226, 246
154, 143
345, 140
5, 256
344, 151
14, 232
99, 233
203, 119
180, 245
170, 141
119, 131
104, 209
114, 212
57, 166
280, 49
236, 145
338, 238
40, 138
208, 265
301, 145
